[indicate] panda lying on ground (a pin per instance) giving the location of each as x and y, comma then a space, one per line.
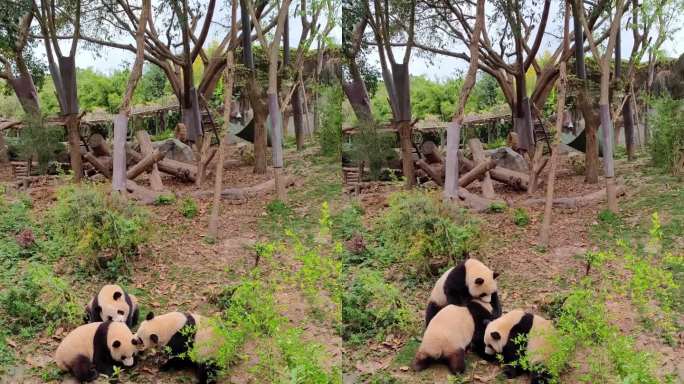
176, 333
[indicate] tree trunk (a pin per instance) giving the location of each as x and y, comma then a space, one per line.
356, 93
260, 134
296, 104
628, 121
545, 232
451, 167
276, 143
609, 168
146, 163
26, 94
401, 80
4, 156
204, 143
119, 153
591, 127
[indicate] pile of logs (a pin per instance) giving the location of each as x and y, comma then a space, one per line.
479, 168
148, 160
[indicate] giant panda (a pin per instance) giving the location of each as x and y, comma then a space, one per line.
96, 348
112, 303
177, 333
502, 336
451, 332
469, 280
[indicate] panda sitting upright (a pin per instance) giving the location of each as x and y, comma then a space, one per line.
177, 333
469, 280
112, 303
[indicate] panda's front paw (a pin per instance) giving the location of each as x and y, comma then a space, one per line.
510, 371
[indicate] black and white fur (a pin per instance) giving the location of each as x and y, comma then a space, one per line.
500, 335
177, 333
112, 303
453, 331
96, 348
469, 280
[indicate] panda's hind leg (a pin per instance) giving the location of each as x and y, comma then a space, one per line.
83, 369
540, 376
206, 373
456, 361
421, 361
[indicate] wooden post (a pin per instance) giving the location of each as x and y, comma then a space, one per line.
479, 158
145, 163
451, 172
146, 148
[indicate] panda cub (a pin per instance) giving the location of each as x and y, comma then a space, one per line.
467, 281
176, 333
501, 335
96, 348
112, 304
451, 332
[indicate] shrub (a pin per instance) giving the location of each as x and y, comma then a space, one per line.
372, 147
520, 217
188, 208
418, 228
96, 228
497, 207
372, 307
39, 300
165, 199
330, 130
667, 134
347, 223
41, 142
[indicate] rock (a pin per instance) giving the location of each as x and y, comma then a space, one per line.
179, 152
507, 158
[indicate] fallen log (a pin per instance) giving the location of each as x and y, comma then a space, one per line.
577, 201
142, 194
179, 169
514, 179
103, 169
476, 202
245, 192
479, 158
432, 173
476, 173
146, 148
146, 163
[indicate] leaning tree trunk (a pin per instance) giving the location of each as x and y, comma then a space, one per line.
260, 133
25, 90
356, 93
451, 182
67, 69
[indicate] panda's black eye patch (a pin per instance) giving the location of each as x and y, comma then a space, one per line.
117, 295
120, 312
483, 295
479, 281
154, 338
109, 318
116, 344
495, 335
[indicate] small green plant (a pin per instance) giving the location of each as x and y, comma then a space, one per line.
372, 147
371, 307
95, 228
188, 208
39, 300
497, 207
521, 217
165, 199
418, 228
667, 134
497, 143
41, 142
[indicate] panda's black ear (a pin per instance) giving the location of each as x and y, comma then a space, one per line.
98, 309
117, 295
496, 274
116, 344
495, 335
154, 338
479, 281
150, 316
134, 341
